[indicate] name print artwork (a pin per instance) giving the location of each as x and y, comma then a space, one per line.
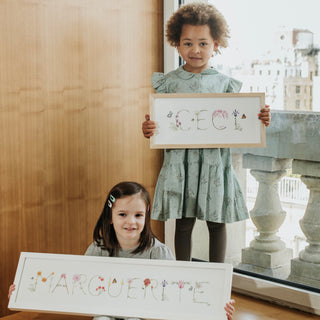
150, 289
207, 120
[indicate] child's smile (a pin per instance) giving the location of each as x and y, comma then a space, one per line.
128, 219
196, 47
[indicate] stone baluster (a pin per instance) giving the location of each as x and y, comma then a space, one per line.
306, 268
267, 253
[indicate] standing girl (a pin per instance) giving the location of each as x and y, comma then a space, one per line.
198, 183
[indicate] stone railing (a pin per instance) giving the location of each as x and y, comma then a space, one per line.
293, 141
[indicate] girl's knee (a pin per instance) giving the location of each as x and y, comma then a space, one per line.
216, 226
185, 224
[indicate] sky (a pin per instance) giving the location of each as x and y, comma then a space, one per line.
253, 23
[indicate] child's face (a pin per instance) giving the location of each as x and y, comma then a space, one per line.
196, 47
128, 219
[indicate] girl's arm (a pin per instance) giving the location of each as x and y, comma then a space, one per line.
148, 127
11, 289
265, 115
229, 308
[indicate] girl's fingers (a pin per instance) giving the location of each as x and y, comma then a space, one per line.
148, 131
11, 289
149, 134
148, 128
149, 125
265, 115
229, 308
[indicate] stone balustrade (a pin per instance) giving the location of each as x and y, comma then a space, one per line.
293, 140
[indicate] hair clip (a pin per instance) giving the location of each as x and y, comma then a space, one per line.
148, 208
111, 200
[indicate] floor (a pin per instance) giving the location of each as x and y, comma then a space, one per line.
252, 309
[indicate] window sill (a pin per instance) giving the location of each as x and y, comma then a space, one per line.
277, 293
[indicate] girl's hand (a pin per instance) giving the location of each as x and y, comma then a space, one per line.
229, 308
148, 127
265, 116
11, 289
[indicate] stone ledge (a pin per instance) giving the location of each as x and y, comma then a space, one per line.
266, 259
291, 135
305, 273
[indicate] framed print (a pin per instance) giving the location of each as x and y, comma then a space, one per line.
119, 287
207, 120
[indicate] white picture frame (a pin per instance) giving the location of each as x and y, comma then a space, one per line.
119, 287
207, 120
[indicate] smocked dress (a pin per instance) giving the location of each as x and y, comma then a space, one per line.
197, 183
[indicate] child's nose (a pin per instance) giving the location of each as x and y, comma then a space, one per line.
196, 49
131, 219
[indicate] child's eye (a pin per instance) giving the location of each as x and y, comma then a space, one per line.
188, 44
203, 44
121, 214
139, 215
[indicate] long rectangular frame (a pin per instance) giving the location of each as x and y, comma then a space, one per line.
44, 283
196, 99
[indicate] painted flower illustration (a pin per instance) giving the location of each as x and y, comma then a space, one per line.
164, 283
76, 277
219, 118
77, 283
176, 122
101, 288
146, 282
222, 113
39, 277
130, 286
236, 124
181, 285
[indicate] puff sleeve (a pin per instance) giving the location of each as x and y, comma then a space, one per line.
234, 85
159, 82
94, 250
161, 252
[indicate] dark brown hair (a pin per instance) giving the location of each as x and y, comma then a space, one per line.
198, 14
104, 234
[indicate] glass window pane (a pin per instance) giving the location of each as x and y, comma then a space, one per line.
274, 48
273, 45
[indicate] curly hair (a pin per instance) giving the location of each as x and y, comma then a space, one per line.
198, 14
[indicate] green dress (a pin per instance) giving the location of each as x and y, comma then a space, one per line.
197, 183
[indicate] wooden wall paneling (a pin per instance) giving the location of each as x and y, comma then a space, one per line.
74, 88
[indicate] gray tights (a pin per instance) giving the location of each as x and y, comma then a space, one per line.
217, 239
